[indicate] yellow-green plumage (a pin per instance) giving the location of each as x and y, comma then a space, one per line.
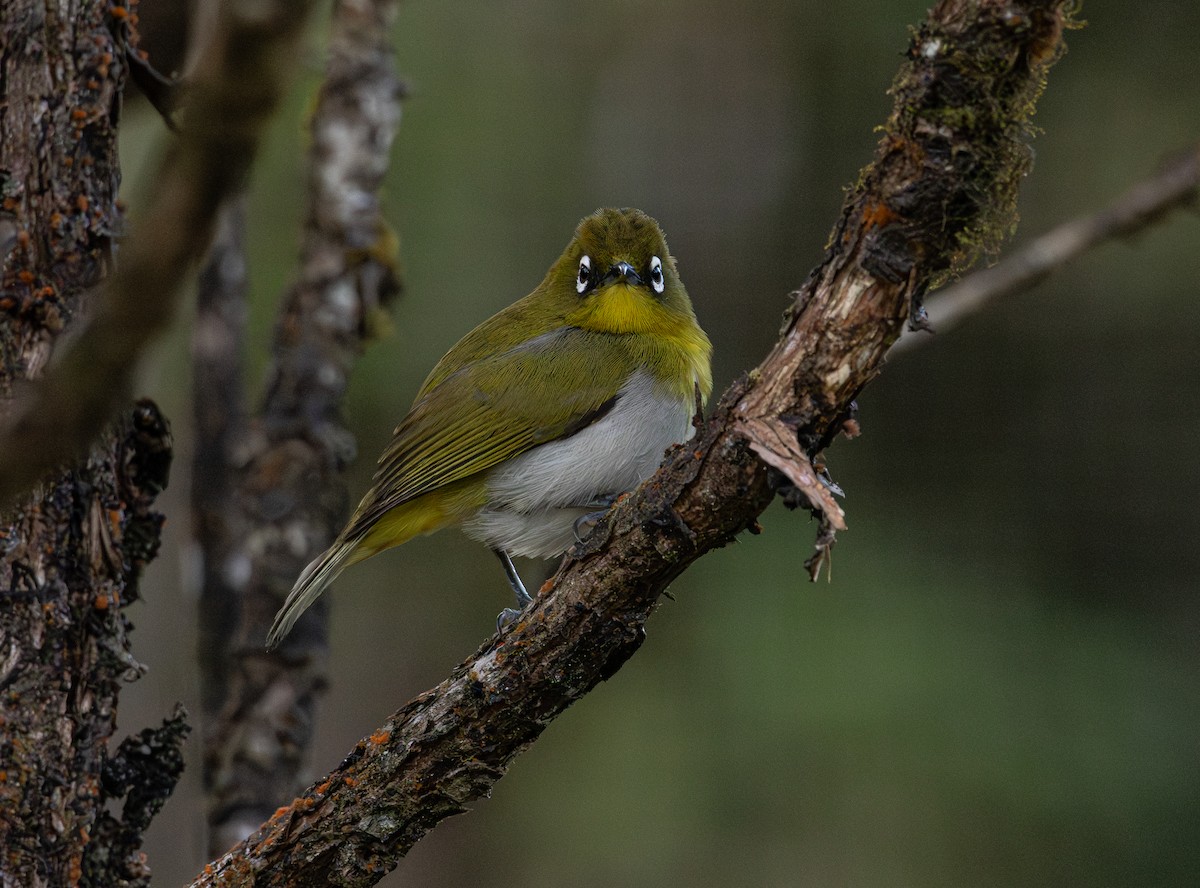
540, 409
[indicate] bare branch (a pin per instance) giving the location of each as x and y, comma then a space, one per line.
238, 83
279, 476
1148, 202
943, 179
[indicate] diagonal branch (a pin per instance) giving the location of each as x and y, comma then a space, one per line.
238, 83
1149, 201
943, 181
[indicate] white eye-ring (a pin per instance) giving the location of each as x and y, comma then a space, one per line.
656, 275
585, 274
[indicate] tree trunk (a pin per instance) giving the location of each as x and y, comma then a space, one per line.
268, 489
73, 549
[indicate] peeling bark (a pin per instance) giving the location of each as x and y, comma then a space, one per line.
73, 555
941, 188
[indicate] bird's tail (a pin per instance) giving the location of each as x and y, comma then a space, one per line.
312, 582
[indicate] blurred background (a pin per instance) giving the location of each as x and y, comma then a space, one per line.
998, 685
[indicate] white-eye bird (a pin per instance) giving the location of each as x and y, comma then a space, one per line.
542, 414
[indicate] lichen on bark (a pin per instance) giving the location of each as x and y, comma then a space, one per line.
74, 547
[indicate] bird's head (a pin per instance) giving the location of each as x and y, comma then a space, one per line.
617, 276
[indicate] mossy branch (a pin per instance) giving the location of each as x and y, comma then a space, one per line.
1146, 203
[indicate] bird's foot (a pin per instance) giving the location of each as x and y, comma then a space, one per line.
507, 617
585, 524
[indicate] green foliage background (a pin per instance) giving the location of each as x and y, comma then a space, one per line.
999, 684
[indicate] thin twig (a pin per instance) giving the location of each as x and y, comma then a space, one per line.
1148, 202
451, 744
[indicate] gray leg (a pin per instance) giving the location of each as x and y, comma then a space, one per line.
509, 615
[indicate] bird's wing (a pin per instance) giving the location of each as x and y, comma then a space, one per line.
494, 409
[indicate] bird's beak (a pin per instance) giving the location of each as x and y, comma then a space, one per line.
622, 271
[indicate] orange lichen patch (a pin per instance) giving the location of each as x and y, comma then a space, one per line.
100, 602
208, 869
380, 737
322, 787
118, 12
78, 114
350, 781
81, 203
877, 214
25, 276
546, 586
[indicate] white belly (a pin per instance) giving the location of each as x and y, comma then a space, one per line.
535, 499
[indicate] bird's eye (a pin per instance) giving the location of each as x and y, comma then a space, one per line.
656, 275
585, 274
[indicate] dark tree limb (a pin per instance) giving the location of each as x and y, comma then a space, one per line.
71, 812
237, 85
72, 552
942, 184
71, 565
269, 491
1175, 186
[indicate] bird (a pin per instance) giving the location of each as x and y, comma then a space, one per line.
539, 418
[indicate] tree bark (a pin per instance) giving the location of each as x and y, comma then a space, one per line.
941, 189
238, 81
73, 549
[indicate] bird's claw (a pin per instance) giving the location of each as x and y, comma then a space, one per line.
585, 524
507, 617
